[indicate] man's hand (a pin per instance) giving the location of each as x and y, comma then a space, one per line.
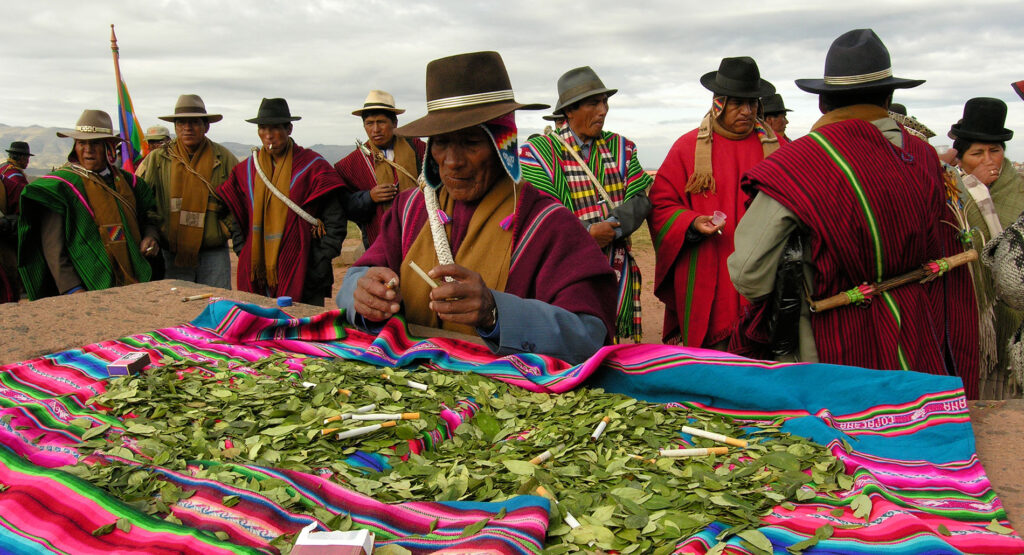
373, 298
986, 172
383, 192
467, 300
149, 247
704, 226
603, 232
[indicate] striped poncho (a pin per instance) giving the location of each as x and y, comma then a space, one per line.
551, 169
876, 212
63, 192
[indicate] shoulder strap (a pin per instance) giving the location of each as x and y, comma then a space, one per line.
593, 178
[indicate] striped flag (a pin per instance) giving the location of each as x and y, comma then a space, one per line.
133, 145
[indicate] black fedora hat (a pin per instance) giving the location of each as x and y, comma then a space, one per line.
984, 120
773, 104
857, 61
19, 148
273, 111
462, 91
739, 78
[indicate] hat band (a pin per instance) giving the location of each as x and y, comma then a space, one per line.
858, 79
469, 100
189, 110
378, 105
93, 129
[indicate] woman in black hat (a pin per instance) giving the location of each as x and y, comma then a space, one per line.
993, 196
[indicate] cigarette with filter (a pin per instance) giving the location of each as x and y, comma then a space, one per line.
541, 458
694, 452
715, 437
349, 415
410, 383
569, 519
639, 458
600, 429
356, 432
392, 283
196, 297
386, 416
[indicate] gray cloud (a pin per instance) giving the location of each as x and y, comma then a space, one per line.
324, 55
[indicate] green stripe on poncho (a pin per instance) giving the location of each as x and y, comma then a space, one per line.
81, 236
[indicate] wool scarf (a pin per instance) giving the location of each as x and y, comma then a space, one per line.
190, 199
486, 249
384, 174
114, 211
269, 215
587, 202
703, 179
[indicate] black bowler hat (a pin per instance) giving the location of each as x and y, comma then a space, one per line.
773, 105
738, 78
273, 111
19, 148
857, 61
984, 121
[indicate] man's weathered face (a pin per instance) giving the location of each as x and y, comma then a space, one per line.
467, 163
91, 154
191, 131
778, 122
586, 119
379, 129
739, 115
275, 137
21, 160
155, 144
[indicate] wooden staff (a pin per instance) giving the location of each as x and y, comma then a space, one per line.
922, 274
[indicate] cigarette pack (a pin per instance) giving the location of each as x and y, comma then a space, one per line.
131, 363
354, 542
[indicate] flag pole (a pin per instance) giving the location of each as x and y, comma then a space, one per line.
120, 106
127, 124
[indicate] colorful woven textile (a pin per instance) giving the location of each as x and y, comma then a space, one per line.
912, 444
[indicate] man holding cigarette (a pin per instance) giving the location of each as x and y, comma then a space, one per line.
286, 200
89, 225
185, 174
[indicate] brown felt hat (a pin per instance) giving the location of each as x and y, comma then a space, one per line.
462, 91
191, 106
91, 125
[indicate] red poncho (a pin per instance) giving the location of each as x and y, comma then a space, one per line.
554, 259
312, 178
692, 280
892, 227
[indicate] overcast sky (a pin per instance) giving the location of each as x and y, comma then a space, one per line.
323, 56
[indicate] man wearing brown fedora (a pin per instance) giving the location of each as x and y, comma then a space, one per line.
993, 196
12, 181
866, 202
89, 225
287, 202
185, 174
696, 204
512, 265
597, 175
370, 180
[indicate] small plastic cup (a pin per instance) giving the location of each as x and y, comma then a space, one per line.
718, 218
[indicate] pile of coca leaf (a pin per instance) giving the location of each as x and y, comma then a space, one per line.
617, 492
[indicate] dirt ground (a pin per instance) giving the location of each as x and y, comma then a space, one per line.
643, 251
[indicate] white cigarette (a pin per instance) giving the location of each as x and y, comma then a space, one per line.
355, 432
569, 519
385, 416
422, 274
308, 385
348, 415
416, 385
196, 297
695, 452
600, 429
714, 437
541, 457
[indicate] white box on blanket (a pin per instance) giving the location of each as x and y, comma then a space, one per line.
354, 542
131, 363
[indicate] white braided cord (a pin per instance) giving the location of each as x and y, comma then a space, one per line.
316, 223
